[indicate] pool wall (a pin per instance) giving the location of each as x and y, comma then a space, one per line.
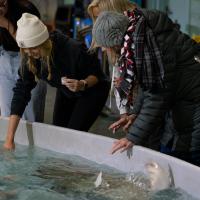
96, 148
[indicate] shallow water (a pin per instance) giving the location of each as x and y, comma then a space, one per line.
34, 174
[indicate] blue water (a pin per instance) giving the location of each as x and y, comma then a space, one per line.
37, 174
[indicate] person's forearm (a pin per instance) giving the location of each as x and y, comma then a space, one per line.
12, 127
151, 116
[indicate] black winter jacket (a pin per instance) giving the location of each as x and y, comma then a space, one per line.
174, 111
70, 59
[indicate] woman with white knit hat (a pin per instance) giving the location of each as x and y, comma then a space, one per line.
10, 12
65, 64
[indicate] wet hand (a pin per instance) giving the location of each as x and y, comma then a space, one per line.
121, 145
9, 146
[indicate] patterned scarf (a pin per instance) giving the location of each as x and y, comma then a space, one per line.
140, 60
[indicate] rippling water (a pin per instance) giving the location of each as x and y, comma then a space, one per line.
37, 174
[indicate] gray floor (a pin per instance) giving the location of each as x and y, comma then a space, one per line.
99, 127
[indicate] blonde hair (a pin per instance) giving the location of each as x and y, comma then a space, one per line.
108, 5
46, 57
113, 55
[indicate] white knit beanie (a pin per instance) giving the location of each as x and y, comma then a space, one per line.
31, 32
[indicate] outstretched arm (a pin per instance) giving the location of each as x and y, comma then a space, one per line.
21, 97
12, 127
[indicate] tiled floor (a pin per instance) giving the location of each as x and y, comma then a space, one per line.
99, 127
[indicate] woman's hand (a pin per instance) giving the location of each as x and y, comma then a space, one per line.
122, 145
118, 124
125, 122
9, 145
73, 84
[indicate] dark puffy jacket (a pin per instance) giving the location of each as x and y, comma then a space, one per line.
175, 110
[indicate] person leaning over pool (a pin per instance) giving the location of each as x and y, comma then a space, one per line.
65, 64
151, 53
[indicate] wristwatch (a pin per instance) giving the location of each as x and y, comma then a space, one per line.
85, 84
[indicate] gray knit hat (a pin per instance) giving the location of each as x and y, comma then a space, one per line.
109, 29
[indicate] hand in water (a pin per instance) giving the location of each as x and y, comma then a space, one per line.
9, 146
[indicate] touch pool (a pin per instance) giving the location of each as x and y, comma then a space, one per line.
50, 169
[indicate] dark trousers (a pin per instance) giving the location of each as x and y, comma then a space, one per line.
192, 157
81, 112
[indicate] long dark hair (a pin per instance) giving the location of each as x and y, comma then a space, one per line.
15, 9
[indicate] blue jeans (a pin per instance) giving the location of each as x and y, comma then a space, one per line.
9, 65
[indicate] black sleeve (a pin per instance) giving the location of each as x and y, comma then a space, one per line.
138, 102
89, 64
152, 108
22, 92
31, 8
150, 116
